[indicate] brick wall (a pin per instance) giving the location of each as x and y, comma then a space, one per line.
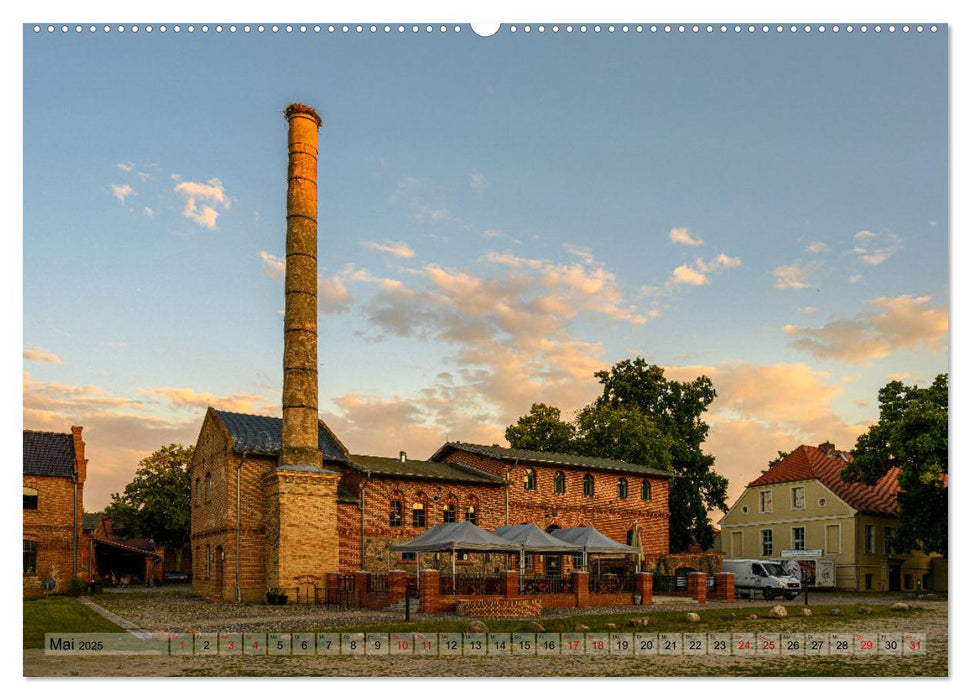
51, 527
610, 514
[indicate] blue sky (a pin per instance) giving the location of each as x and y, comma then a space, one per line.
498, 219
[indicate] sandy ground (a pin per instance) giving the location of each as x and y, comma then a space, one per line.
176, 611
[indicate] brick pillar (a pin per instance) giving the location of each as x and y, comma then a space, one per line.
581, 587
397, 586
725, 587
696, 586
360, 587
428, 590
509, 581
644, 587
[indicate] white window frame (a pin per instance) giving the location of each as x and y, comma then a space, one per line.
792, 498
762, 501
771, 542
795, 543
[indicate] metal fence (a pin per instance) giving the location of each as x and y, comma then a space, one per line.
678, 585
612, 583
341, 596
534, 585
377, 583
469, 585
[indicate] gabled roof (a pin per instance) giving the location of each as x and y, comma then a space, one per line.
48, 454
807, 462
89, 521
459, 537
509, 454
264, 435
418, 469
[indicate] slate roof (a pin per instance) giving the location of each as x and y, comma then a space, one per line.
552, 458
807, 462
418, 469
264, 435
89, 521
48, 454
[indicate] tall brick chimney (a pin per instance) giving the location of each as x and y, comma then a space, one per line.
301, 494
300, 316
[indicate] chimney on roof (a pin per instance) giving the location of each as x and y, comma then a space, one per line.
828, 448
299, 440
403, 456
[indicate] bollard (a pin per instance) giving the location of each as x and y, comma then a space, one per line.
407, 607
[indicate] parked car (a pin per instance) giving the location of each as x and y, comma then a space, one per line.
176, 577
766, 576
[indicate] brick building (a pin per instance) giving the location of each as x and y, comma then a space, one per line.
378, 501
54, 472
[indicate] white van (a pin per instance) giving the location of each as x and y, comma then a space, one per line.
753, 575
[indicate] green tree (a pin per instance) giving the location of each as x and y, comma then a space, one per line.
911, 436
643, 418
541, 429
776, 460
156, 503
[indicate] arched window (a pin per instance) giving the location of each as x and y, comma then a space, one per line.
208, 561
630, 537
622, 488
448, 513
470, 515
198, 490
30, 557
208, 487
646, 490
30, 498
418, 515
395, 514
529, 480
559, 482
587, 485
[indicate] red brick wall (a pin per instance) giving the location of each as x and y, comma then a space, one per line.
51, 526
611, 515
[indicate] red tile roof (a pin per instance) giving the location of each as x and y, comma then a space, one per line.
807, 462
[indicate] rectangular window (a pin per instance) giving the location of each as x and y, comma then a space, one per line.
577, 561
766, 543
448, 513
30, 498
833, 539
462, 556
888, 540
529, 561
470, 515
736, 542
798, 538
868, 581
418, 515
798, 497
765, 501
407, 556
395, 514
30, 558
869, 543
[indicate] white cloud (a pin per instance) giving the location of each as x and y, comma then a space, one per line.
39, 354
144, 177
202, 200
696, 274
477, 180
902, 322
817, 247
125, 167
148, 211
853, 279
682, 236
875, 248
794, 276
122, 192
398, 249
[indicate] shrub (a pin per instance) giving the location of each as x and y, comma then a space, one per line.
75, 586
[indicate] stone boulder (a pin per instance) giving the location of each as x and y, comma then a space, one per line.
581, 628
753, 616
534, 627
806, 612
693, 617
864, 610
835, 612
476, 626
611, 626
900, 607
778, 612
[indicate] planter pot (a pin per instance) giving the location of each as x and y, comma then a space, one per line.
281, 599
637, 600
271, 599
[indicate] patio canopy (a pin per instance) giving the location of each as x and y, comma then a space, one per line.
532, 539
591, 541
456, 537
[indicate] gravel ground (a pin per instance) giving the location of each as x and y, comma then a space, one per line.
178, 610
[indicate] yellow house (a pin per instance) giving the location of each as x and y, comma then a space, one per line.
801, 503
